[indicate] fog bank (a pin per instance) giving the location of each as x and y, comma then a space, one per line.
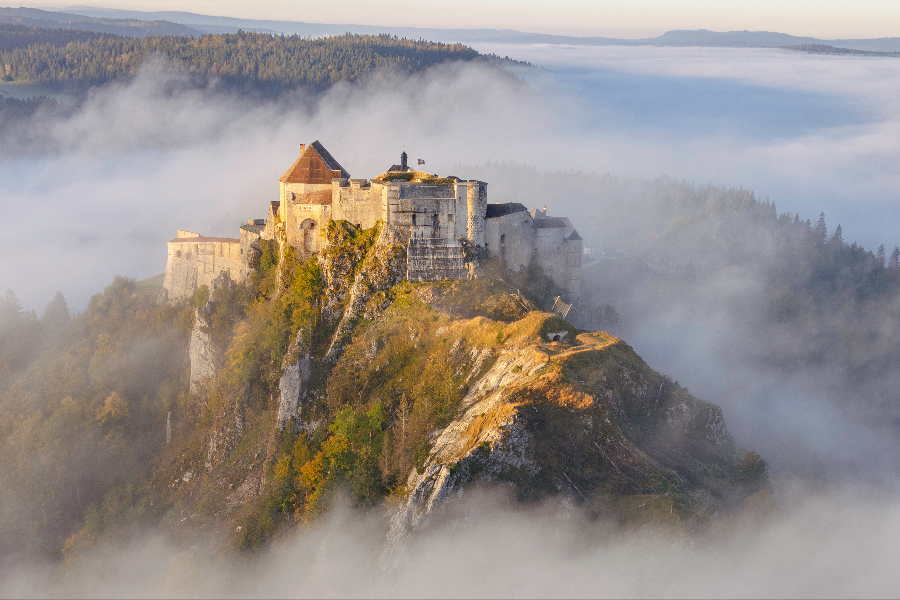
825, 544
141, 159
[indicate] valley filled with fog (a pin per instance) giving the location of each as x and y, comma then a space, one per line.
589, 131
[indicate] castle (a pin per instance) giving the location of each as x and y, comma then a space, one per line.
435, 217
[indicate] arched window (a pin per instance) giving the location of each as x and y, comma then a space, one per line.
502, 238
178, 254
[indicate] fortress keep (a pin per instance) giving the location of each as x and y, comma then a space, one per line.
434, 217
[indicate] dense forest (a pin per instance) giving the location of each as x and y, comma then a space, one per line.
14, 36
246, 61
78, 400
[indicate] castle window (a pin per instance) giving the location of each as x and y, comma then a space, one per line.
188, 256
502, 238
312, 226
178, 254
414, 219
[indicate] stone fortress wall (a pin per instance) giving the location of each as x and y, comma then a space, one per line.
429, 214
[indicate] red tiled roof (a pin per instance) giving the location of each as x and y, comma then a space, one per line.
315, 165
202, 239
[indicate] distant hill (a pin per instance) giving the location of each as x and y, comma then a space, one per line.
128, 27
249, 62
701, 37
22, 36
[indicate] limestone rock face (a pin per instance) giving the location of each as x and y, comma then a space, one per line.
201, 350
382, 270
292, 386
487, 438
588, 420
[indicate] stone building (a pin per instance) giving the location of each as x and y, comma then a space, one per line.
433, 216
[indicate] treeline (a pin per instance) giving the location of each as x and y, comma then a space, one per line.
14, 36
826, 49
247, 61
12, 109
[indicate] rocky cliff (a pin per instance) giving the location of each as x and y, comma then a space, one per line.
329, 375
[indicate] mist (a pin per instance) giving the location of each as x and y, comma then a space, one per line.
828, 544
140, 159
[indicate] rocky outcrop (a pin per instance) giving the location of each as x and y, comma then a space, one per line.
384, 267
202, 357
293, 384
587, 419
201, 350
486, 441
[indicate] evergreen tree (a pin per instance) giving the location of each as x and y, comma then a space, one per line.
894, 262
56, 315
838, 237
879, 257
821, 230
11, 313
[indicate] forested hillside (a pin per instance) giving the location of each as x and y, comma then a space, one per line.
101, 433
83, 403
21, 36
781, 295
245, 61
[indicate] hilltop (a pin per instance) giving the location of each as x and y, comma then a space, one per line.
250, 62
438, 386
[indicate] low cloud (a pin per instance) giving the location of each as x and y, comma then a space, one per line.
817, 544
142, 158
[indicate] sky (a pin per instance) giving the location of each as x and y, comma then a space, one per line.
828, 19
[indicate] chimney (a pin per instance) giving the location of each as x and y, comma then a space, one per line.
403, 160
302, 148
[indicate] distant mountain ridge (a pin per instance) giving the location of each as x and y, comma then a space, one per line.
701, 37
139, 26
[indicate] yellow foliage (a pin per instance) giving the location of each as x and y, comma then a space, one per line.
114, 409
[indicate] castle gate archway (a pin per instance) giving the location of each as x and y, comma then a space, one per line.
309, 235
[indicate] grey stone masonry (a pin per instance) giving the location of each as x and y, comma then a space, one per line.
433, 259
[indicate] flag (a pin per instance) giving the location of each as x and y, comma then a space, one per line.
421, 162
